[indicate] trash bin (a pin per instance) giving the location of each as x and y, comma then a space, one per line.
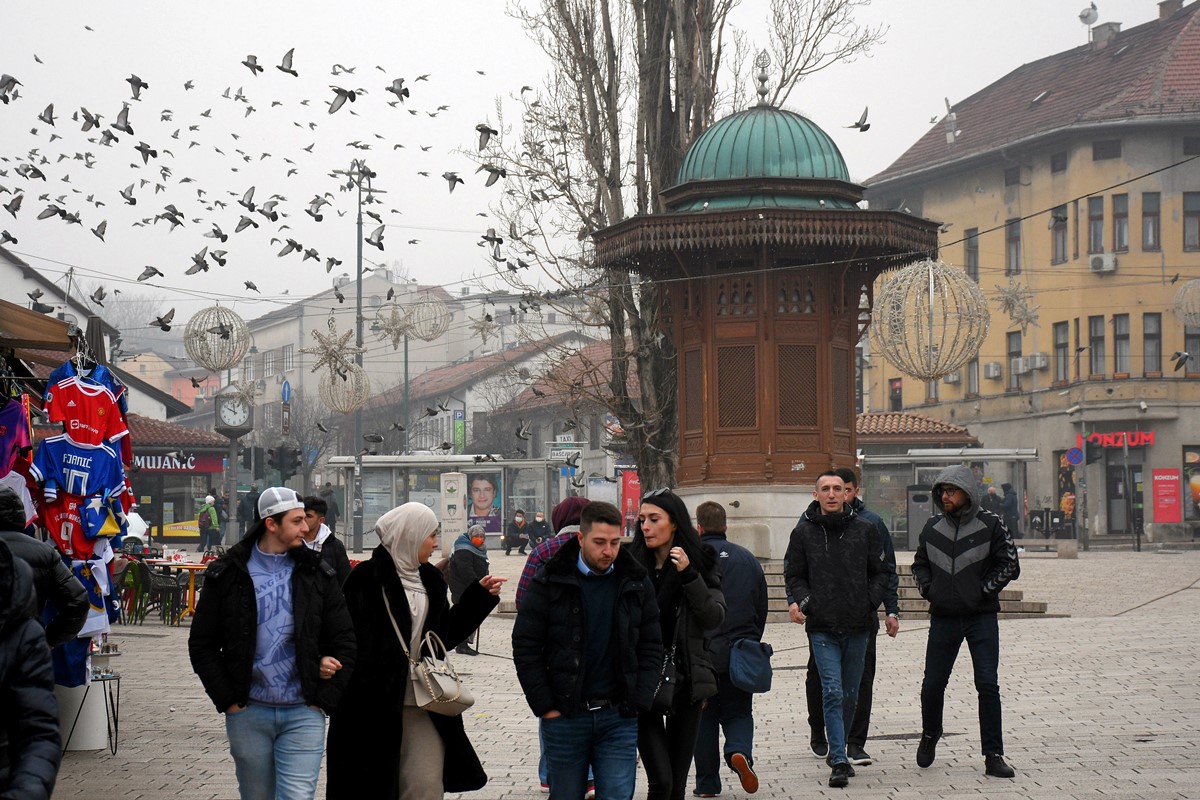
82, 716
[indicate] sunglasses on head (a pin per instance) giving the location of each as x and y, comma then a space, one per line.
655, 493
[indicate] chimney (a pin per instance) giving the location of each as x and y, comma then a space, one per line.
1104, 33
1168, 7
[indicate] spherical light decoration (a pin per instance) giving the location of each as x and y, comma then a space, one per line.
346, 391
1187, 303
428, 318
216, 338
929, 319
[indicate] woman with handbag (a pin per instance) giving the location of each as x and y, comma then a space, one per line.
382, 743
688, 586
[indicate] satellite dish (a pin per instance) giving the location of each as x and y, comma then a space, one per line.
1089, 15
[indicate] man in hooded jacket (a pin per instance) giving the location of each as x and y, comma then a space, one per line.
964, 557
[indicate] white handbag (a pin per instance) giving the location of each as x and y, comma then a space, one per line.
436, 685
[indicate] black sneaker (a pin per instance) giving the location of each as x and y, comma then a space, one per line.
858, 757
829, 763
840, 776
926, 750
997, 768
819, 747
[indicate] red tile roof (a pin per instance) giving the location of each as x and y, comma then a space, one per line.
588, 369
147, 432
1149, 72
883, 427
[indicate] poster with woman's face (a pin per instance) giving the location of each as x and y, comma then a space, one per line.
483, 489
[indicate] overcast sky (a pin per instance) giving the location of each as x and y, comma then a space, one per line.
933, 49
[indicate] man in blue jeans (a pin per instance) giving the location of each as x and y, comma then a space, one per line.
836, 576
273, 644
964, 557
587, 649
745, 589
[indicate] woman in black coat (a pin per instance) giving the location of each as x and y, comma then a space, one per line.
468, 565
688, 586
381, 745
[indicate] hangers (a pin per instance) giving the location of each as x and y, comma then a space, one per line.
83, 359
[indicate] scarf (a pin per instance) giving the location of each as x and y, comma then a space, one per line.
464, 542
401, 532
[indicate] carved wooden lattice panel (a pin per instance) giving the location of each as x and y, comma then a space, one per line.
841, 388
737, 383
797, 381
795, 295
737, 297
693, 392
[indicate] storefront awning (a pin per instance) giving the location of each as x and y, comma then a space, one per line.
26, 332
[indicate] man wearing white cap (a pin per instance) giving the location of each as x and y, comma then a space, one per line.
273, 645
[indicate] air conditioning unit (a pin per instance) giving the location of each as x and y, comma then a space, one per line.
953, 377
1103, 263
1038, 361
993, 371
1018, 366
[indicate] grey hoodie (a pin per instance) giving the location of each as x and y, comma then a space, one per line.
963, 562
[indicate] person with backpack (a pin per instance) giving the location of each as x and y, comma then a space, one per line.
208, 521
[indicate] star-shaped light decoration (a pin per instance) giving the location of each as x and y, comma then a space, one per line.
246, 391
392, 323
484, 328
1014, 301
332, 350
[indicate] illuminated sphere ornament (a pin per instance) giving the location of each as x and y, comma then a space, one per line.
216, 338
346, 390
428, 318
1187, 303
929, 319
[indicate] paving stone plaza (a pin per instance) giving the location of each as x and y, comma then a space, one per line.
1101, 700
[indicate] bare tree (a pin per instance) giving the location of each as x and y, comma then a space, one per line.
635, 82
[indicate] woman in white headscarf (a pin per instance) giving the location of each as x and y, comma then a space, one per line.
381, 745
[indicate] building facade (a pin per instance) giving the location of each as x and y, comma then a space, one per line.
1070, 190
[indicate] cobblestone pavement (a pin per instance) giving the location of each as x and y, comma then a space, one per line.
1104, 703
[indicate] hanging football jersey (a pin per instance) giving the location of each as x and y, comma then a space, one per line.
16, 481
99, 374
14, 433
88, 411
80, 469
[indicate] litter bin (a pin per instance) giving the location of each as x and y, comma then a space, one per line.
82, 717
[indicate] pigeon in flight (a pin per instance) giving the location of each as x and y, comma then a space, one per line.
14, 205
251, 63
148, 273
330, 263
164, 322
146, 151
6, 237
243, 223
397, 88
322, 428
218, 256
494, 173
286, 64
195, 382
90, 120
340, 97
376, 238
452, 178
216, 233
122, 123
524, 431
222, 330
47, 116
251, 287
1180, 358
136, 84
199, 263
100, 230
98, 297
8, 88
485, 134
373, 438
862, 124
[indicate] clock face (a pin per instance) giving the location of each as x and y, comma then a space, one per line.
234, 413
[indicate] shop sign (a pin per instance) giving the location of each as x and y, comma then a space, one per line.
195, 462
1118, 439
1167, 495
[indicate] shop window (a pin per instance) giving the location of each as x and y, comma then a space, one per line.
1095, 206
1151, 221
1152, 342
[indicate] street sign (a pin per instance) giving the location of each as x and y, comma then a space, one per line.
285, 417
287, 392
563, 453
1075, 456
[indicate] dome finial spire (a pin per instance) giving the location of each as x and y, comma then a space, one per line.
762, 62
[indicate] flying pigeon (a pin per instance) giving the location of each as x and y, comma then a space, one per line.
397, 88
862, 124
452, 178
376, 238
1180, 358
14, 205
250, 285
122, 123
340, 98
100, 230
286, 64
6, 237
127, 193
136, 84
219, 257
148, 273
485, 134
90, 120
98, 297
199, 263
164, 322
373, 438
146, 151
47, 116
494, 173
322, 428
251, 63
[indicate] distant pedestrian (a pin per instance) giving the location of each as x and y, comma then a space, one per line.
208, 522
965, 557
836, 577
382, 746
539, 529
273, 644
991, 502
856, 734
53, 580
333, 511
30, 743
687, 585
515, 534
1011, 510
468, 565
320, 538
731, 708
587, 651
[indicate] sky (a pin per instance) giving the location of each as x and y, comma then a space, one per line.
79, 54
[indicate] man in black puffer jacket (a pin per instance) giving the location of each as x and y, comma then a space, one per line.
52, 578
836, 575
588, 649
30, 747
965, 556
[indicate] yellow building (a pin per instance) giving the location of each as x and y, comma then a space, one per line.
1070, 189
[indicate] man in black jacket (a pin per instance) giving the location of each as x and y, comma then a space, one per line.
273, 644
835, 573
964, 557
52, 578
321, 539
30, 746
745, 589
588, 650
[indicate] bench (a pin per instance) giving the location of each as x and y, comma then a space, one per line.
1067, 548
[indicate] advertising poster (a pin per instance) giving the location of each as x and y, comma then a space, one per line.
1191, 482
1165, 485
453, 508
483, 495
631, 496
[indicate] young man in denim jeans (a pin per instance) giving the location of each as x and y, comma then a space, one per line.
836, 575
588, 649
273, 645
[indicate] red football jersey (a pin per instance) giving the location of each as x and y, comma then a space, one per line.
89, 412
65, 526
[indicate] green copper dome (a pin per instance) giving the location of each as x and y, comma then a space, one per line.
768, 144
